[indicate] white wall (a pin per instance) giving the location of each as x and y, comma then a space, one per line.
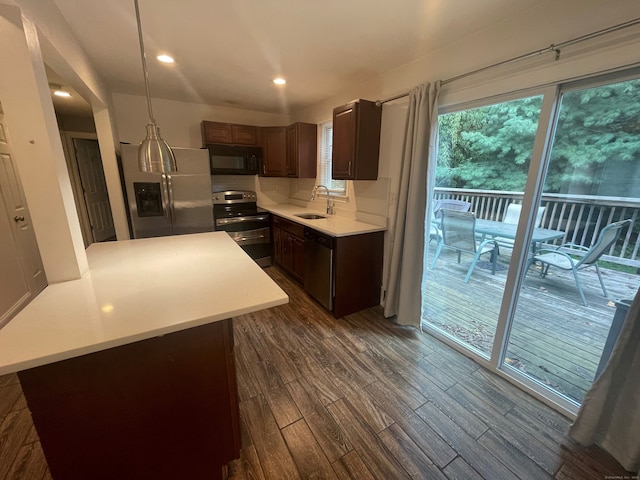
37, 148
179, 122
65, 55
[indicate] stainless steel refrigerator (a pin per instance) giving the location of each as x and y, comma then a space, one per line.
171, 203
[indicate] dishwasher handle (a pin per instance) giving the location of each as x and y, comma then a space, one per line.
317, 237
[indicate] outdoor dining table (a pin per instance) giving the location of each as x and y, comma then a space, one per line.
495, 229
492, 228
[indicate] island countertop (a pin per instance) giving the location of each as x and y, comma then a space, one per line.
135, 290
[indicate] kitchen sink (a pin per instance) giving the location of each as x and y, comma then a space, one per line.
309, 216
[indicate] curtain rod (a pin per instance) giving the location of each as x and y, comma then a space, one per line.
551, 48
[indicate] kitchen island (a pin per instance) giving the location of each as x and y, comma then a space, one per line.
129, 371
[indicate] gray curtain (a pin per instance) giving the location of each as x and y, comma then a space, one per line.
404, 287
610, 412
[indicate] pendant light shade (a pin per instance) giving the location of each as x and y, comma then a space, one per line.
154, 154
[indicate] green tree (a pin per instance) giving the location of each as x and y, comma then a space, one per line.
595, 126
490, 147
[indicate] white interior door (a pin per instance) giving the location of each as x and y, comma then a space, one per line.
94, 188
22, 274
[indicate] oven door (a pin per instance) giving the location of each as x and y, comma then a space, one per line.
257, 244
251, 232
242, 223
251, 237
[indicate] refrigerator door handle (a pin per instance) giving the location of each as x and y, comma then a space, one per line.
166, 200
171, 205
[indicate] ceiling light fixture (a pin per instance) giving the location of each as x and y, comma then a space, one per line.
165, 58
279, 81
58, 91
154, 154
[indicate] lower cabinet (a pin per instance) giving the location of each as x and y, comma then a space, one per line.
288, 245
357, 274
357, 264
161, 408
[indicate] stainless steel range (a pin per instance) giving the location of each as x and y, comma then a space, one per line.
236, 212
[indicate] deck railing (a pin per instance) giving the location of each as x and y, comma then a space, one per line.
581, 217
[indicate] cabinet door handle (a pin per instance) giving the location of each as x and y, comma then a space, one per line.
349, 167
264, 169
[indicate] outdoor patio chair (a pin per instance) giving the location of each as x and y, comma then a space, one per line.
445, 204
458, 233
512, 216
560, 259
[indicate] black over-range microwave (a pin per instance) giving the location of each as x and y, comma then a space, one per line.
234, 159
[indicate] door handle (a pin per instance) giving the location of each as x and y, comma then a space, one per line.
172, 207
18, 218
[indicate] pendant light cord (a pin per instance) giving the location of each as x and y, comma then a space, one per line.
144, 63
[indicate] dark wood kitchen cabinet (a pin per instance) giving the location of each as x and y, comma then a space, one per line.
229, 133
302, 144
274, 152
288, 246
356, 141
161, 408
357, 277
357, 264
290, 151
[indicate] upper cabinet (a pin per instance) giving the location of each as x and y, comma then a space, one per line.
356, 141
302, 142
286, 151
229, 133
290, 151
274, 152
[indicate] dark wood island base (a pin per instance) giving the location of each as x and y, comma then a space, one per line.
162, 408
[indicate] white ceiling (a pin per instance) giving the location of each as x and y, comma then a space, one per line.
228, 51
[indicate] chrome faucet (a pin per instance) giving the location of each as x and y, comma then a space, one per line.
313, 197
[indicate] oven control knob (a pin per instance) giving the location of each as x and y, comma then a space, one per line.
216, 197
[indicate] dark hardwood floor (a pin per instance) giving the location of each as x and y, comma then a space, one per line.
360, 397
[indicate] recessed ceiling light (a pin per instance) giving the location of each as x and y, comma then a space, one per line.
279, 81
165, 58
61, 93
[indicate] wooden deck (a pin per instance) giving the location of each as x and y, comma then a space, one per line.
555, 339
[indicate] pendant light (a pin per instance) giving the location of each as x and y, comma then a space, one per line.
154, 154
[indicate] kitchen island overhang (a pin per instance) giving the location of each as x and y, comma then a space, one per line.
140, 350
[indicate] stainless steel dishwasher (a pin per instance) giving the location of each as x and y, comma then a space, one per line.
318, 266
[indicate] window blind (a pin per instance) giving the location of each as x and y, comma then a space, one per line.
326, 145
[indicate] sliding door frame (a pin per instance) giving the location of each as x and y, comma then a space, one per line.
536, 176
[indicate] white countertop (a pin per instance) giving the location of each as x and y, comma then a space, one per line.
137, 289
333, 225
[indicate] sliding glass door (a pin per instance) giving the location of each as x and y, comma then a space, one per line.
541, 177
577, 284
483, 160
